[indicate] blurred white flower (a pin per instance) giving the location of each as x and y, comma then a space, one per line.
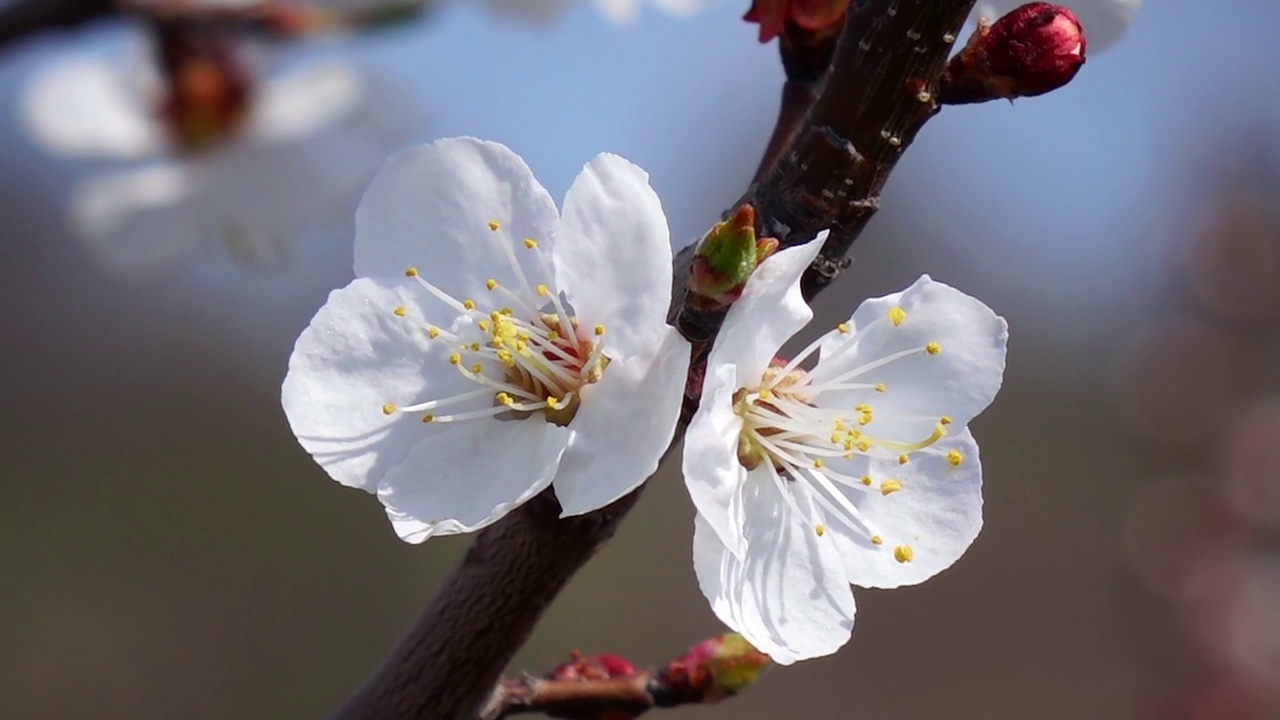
490, 345
619, 11
315, 133
1104, 21
625, 11
859, 470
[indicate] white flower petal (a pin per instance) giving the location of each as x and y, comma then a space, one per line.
429, 208
769, 312
622, 12
466, 476
787, 595
83, 106
305, 101
623, 427
612, 253
681, 8
959, 382
354, 357
1104, 21
937, 513
127, 218
711, 469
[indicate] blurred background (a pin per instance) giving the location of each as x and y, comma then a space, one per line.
168, 551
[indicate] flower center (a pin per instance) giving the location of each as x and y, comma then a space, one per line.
528, 357
788, 429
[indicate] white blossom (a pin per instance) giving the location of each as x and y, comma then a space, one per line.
857, 470
316, 132
490, 345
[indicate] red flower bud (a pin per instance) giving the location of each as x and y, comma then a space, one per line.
1034, 49
715, 669
592, 667
811, 15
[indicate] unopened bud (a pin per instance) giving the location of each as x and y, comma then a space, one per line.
716, 669
1034, 49
604, 666
809, 15
726, 257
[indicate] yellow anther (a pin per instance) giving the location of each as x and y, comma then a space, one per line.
507, 311
433, 332
506, 358
599, 330
477, 368
552, 336
902, 459
455, 359
818, 463
411, 272
543, 291
862, 407
955, 458
530, 243
428, 418
840, 425
400, 311
863, 445
388, 409
820, 529
866, 480
903, 553
933, 348
766, 394
490, 284
553, 403
483, 325
503, 399
889, 487
875, 540
474, 347
494, 225
843, 328
897, 315
847, 456
945, 420
880, 387
836, 438
469, 304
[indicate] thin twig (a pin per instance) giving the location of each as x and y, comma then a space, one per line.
608, 686
806, 56
869, 112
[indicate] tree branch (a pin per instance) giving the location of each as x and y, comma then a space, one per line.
806, 56
26, 17
447, 663
877, 97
